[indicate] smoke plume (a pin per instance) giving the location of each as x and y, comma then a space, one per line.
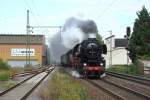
57, 48
74, 32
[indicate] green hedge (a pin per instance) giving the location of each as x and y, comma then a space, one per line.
28, 67
4, 65
145, 57
130, 69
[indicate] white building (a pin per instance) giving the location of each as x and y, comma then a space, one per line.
116, 52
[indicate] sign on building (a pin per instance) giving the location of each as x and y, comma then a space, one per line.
22, 52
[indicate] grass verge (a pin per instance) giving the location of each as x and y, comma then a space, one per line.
4, 75
6, 84
63, 87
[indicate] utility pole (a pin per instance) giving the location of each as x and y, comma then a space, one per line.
110, 59
58, 27
109, 39
28, 27
27, 40
60, 32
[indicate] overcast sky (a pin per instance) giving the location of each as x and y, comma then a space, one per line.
109, 15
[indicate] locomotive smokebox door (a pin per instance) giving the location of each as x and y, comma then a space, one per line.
104, 49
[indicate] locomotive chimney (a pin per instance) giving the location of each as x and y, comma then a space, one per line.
92, 35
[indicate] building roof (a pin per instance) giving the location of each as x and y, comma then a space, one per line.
121, 42
110, 37
21, 39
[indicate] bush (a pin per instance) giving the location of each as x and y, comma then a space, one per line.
118, 68
130, 69
14, 70
4, 75
145, 57
134, 69
28, 67
4, 65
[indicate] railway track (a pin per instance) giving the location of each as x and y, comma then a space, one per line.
138, 79
23, 89
124, 87
34, 71
114, 95
117, 91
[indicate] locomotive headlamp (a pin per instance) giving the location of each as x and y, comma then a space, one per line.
84, 64
101, 64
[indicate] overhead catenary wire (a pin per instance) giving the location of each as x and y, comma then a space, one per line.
36, 15
35, 7
32, 12
106, 9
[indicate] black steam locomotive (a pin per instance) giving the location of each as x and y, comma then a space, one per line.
86, 58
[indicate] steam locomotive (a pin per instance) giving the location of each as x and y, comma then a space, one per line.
86, 58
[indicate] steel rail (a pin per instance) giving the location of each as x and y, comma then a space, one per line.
147, 97
30, 92
28, 72
18, 84
141, 80
115, 95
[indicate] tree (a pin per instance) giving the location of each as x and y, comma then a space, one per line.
139, 44
99, 39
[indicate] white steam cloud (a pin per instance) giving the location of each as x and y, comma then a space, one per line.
72, 36
74, 32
